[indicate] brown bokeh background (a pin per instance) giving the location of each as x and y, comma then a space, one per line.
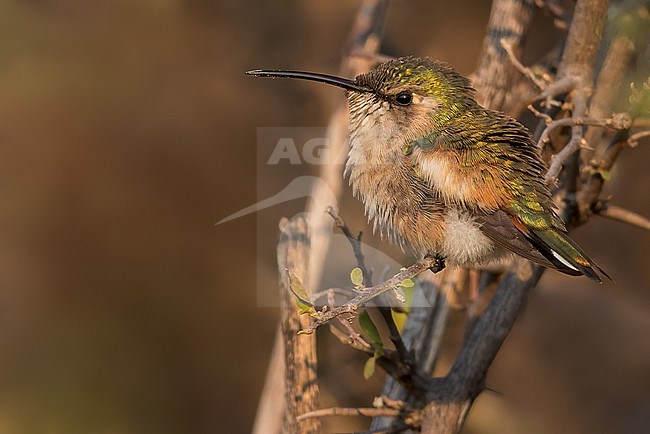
127, 129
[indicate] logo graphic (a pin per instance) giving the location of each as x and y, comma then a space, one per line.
282, 151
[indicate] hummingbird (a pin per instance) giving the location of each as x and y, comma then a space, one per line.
444, 177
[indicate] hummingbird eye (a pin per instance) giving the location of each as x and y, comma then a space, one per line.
404, 98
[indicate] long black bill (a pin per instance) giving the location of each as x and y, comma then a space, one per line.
312, 76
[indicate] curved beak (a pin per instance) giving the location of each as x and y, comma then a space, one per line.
312, 76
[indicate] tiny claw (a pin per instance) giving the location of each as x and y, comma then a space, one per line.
438, 264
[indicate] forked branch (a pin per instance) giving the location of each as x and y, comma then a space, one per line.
366, 294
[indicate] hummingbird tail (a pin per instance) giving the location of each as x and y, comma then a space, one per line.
565, 254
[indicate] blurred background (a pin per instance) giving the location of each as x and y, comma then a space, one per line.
127, 129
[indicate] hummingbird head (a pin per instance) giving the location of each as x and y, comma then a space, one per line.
410, 96
406, 97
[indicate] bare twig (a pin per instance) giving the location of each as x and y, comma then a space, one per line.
619, 121
633, 140
577, 140
353, 338
385, 311
623, 215
360, 411
641, 123
556, 88
355, 242
526, 71
367, 294
548, 119
350, 341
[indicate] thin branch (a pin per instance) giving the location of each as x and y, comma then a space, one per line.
623, 215
385, 311
398, 364
525, 71
633, 140
367, 294
577, 140
343, 411
556, 88
355, 242
394, 335
548, 119
351, 341
390, 361
619, 121
353, 338
641, 123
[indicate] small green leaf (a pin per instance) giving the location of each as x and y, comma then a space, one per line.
399, 318
304, 309
369, 367
356, 276
407, 283
298, 290
605, 174
369, 328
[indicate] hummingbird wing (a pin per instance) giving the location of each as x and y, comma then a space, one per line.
499, 228
558, 247
488, 164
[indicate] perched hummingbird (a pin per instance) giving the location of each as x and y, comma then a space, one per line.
444, 176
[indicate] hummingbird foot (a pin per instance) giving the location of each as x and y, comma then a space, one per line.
439, 263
